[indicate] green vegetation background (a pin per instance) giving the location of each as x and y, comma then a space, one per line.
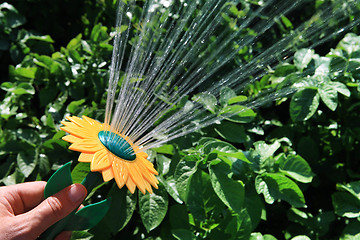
288, 170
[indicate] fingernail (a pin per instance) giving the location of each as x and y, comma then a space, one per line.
76, 193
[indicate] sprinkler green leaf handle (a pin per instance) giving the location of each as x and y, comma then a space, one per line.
85, 218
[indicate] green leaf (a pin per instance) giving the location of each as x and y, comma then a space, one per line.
266, 150
153, 207
237, 99
231, 132
26, 161
226, 93
59, 180
170, 186
15, 178
350, 43
88, 216
80, 171
184, 170
122, 207
329, 96
81, 235
353, 188
201, 198
301, 237
207, 100
297, 168
238, 114
304, 104
12, 18
346, 204
74, 106
341, 88
163, 164
276, 186
165, 149
25, 72
230, 192
303, 57
183, 234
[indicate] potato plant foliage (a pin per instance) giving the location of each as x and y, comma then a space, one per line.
289, 169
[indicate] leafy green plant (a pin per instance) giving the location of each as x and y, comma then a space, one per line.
287, 170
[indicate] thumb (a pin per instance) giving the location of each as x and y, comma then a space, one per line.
55, 208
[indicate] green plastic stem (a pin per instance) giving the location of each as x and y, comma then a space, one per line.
92, 180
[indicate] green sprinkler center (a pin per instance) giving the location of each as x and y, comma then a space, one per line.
117, 145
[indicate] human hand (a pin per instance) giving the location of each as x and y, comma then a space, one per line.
24, 214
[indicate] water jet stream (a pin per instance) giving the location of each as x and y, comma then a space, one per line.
186, 45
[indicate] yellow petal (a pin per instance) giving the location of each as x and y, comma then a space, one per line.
120, 171
100, 161
70, 138
148, 176
91, 121
86, 157
76, 131
107, 174
142, 154
148, 165
78, 121
87, 146
136, 176
130, 185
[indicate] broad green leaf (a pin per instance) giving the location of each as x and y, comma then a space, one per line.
297, 168
231, 132
201, 198
254, 206
226, 93
304, 104
183, 172
232, 156
259, 236
350, 43
238, 114
15, 178
341, 88
74, 106
276, 186
81, 235
302, 58
12, 18
237, 99
353, 188
346, 204
219, 146
170, 186
27, 161
122, 207
88, 216
239, 226
165, 149
265, 150
80, 171
163, 164
183, 234
329, 96
25, 72
207, 100
153, 207
301, 237
231, 192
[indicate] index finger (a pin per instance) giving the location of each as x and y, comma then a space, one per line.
24, 196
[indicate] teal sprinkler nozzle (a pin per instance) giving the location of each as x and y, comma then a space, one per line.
117, 145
